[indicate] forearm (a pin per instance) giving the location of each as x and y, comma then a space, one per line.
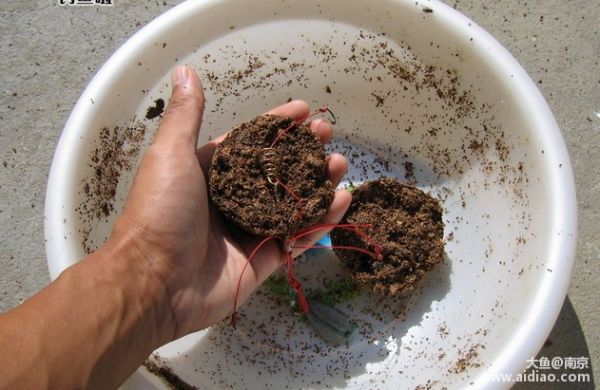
90, 328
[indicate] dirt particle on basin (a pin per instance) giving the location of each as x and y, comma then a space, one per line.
156, 110
409, 169
115, 152
467, 358
405, 221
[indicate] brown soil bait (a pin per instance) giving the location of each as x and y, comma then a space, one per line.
405, 221
271, 183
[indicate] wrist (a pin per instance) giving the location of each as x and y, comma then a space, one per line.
140, 281
126, 307
92, 327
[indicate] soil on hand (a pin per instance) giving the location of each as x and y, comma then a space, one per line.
406, 222
239, 185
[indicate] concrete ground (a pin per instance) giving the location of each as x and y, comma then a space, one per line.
49, 53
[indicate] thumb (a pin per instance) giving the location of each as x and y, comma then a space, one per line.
183, 117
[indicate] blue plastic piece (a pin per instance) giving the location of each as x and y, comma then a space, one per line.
325, 241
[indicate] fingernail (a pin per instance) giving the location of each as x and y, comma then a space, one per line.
180, 75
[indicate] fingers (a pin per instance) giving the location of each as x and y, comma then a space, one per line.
341, 202
322, 129
337, 166
297, 109
183, 117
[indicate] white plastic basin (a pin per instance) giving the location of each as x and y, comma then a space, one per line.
435, 90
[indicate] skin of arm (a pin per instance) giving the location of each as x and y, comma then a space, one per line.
90, 328
170, 266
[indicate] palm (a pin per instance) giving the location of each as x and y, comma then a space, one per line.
229, 257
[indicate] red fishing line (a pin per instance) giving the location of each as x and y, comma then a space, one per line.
288, 259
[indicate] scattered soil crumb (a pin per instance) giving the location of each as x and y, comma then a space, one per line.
380, 99
409, 171
156, 110
466, 359
115, 152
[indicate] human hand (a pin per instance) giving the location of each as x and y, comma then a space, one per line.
187, 247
